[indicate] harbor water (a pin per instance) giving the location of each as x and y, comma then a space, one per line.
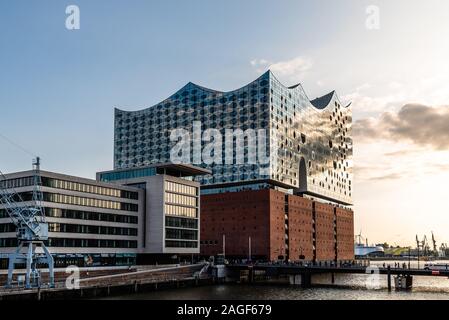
346, 287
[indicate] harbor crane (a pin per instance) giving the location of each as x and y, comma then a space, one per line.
423, 246
32, 230
435, 248
443, 250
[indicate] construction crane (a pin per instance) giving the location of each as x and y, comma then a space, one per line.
435, 248
443, 250
32, 230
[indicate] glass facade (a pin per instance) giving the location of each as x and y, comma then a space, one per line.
243, 187
179, 199
181, 188
312, 139
181, 215
180, 211
177, 222
128, 174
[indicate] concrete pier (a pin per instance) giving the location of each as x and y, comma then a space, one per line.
123, 283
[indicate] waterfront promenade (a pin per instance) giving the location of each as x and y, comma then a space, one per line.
107, 281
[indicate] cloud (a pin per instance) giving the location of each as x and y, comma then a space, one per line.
292, 69
370, 172
390, 176
372, 105
401, 153
420, 124
260, 62
437, 168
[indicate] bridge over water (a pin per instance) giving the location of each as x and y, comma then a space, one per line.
302, 274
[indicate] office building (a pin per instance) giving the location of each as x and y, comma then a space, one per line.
172, 205
106, 223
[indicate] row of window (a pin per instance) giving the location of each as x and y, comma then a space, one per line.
7, 227
17, 183
86, 188
79, 201
181, 188
181, 234
180, 211
89, 202
85, 215
77, 228
73, 243
181, 244
181, 222
68, 185
180, 199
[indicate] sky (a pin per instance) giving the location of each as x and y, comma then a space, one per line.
58, 87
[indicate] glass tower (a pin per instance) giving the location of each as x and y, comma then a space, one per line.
308, 143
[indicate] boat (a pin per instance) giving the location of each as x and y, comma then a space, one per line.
363, 249
436, 266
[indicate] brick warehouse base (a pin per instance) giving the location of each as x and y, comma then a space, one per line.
280, 226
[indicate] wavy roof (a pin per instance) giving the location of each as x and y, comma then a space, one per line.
319, 103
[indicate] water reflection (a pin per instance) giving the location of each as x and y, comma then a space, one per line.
347, 287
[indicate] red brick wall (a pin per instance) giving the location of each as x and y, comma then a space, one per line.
277, 225
238, 215
324, 226
261, 215
300, 227
345, 234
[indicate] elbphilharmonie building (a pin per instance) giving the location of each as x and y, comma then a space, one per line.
309, 143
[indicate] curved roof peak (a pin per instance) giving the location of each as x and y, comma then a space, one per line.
323, 101
194, 85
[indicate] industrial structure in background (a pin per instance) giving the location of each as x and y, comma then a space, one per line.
424, 249
32, 230
430, 250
